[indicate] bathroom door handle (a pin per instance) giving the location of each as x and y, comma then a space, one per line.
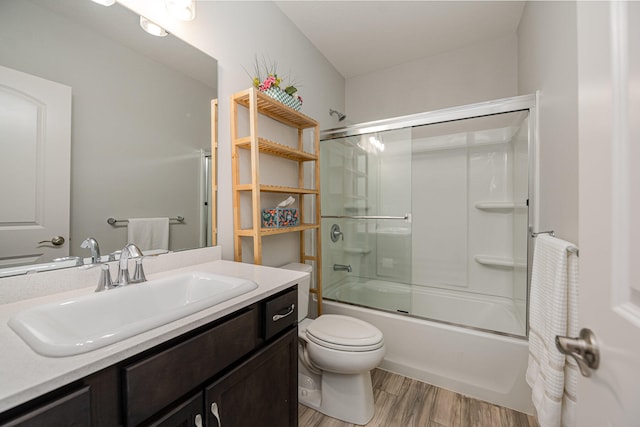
55, 241
584, 349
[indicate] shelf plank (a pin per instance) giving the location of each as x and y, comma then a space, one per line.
277, 149
277, 189
248, 232
276, 110
292, 190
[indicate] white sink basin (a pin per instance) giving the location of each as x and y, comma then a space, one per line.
89, 322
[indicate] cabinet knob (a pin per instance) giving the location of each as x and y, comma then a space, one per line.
214, 411
198, 421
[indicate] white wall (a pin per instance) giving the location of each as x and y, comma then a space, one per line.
234, 32
475, 73
547, 61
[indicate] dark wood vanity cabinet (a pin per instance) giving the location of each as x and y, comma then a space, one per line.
70, 409
260, 392
238, 371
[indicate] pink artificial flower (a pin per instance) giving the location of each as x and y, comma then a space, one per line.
268, 82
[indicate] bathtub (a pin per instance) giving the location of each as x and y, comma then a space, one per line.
486, 312
483, 365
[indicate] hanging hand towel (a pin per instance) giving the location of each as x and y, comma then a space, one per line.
149, 233
553, 310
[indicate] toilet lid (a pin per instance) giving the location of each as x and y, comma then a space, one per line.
344, 333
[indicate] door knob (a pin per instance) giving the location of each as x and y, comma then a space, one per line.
55, 241
584, 349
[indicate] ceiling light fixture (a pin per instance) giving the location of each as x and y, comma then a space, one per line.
105, 2
184, 10
152, 28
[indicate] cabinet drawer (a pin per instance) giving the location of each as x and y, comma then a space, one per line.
155, 382
280, 312
70, 410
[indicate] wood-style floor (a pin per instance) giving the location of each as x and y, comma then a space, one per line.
404, 402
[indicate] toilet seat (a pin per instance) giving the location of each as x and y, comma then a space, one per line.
344, 333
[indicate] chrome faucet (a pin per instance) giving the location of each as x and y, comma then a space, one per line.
342, 267
134, 252
131, 251
92, 244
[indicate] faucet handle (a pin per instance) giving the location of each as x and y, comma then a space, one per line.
104, 282
138, 273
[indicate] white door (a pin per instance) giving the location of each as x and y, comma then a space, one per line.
609, 138
35, 142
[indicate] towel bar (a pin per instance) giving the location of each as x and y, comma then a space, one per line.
405, 217
552, 233
113, 221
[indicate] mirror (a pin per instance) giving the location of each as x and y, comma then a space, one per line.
141, 117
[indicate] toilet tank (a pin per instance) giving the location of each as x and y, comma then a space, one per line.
303, 288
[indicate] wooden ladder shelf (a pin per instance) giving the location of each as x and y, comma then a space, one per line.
259, 104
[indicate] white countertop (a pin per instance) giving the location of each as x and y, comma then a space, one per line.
24, 374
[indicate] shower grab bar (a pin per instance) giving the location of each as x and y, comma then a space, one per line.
113, 221
405, 217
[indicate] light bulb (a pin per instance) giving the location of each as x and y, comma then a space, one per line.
184, 10
104, 2
152, 28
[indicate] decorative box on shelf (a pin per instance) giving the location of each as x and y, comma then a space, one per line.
280, 217
281, 96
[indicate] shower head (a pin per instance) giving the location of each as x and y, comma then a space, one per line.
338, 114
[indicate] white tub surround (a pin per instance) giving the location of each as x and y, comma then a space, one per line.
26, 374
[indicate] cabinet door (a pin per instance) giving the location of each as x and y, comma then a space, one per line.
260, 392
186, 414
70, 410
156, 381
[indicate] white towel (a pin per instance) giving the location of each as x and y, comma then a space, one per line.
149, 233
553, 310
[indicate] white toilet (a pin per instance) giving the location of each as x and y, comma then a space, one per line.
335, 357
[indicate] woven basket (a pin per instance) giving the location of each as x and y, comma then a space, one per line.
282, 96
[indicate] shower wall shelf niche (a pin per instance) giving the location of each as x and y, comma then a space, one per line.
497, 206
259, 104
495, 261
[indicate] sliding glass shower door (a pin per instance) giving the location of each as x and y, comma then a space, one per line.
366, 201
431, 220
